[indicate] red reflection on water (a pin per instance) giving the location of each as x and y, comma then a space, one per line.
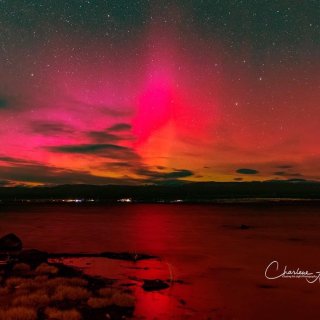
152, 228
153, 305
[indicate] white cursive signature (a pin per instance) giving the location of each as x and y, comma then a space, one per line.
272, 272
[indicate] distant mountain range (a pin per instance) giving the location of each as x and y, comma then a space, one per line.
186, 192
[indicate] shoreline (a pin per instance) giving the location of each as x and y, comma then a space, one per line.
222, 201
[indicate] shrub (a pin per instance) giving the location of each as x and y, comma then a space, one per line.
56, 314
14, 282
63, 292
77, 282
18, 313
44, 268
21, 268
123, 300
97, 303
107, 292
4, 291
41, 279
37, 299
109, 297
22, 284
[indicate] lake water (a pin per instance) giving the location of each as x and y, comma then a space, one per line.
220, 267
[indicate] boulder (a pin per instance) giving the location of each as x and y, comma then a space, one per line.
245, 227
154, 285
10, 242
33, 257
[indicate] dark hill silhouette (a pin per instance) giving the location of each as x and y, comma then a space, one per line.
204, 191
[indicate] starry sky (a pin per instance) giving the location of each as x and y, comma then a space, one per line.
153, 92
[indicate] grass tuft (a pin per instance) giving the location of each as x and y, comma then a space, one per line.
56, 314
28, 292
14, 282
44, 268
37, 299
4, 291
22, 268
97, 303
107, 292
18, 313
109, 296
123, 300
72, 282
27, 284
64, 292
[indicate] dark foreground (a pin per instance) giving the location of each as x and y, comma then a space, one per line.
33, 288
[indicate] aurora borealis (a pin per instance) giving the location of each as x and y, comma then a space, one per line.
136, 92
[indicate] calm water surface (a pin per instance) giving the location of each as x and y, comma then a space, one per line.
221, 266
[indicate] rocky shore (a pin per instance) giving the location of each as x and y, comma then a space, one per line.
32, 287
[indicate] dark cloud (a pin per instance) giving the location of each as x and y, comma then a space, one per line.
161, 167
247, 171
180, 174
4, 103
238, 179
102, 136
86, 148
176, 174
10, 101
12, 160
52, 176
279, 173
120, 127
297, 180
106, 150
5, 183
50, 128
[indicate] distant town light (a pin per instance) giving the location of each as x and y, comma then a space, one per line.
125, 200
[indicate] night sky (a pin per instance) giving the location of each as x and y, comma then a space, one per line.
136, 92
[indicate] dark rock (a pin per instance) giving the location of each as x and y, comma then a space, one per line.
245, 227
127, 284
112, 312
154, 285
10, 242
127, 256
33, 257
